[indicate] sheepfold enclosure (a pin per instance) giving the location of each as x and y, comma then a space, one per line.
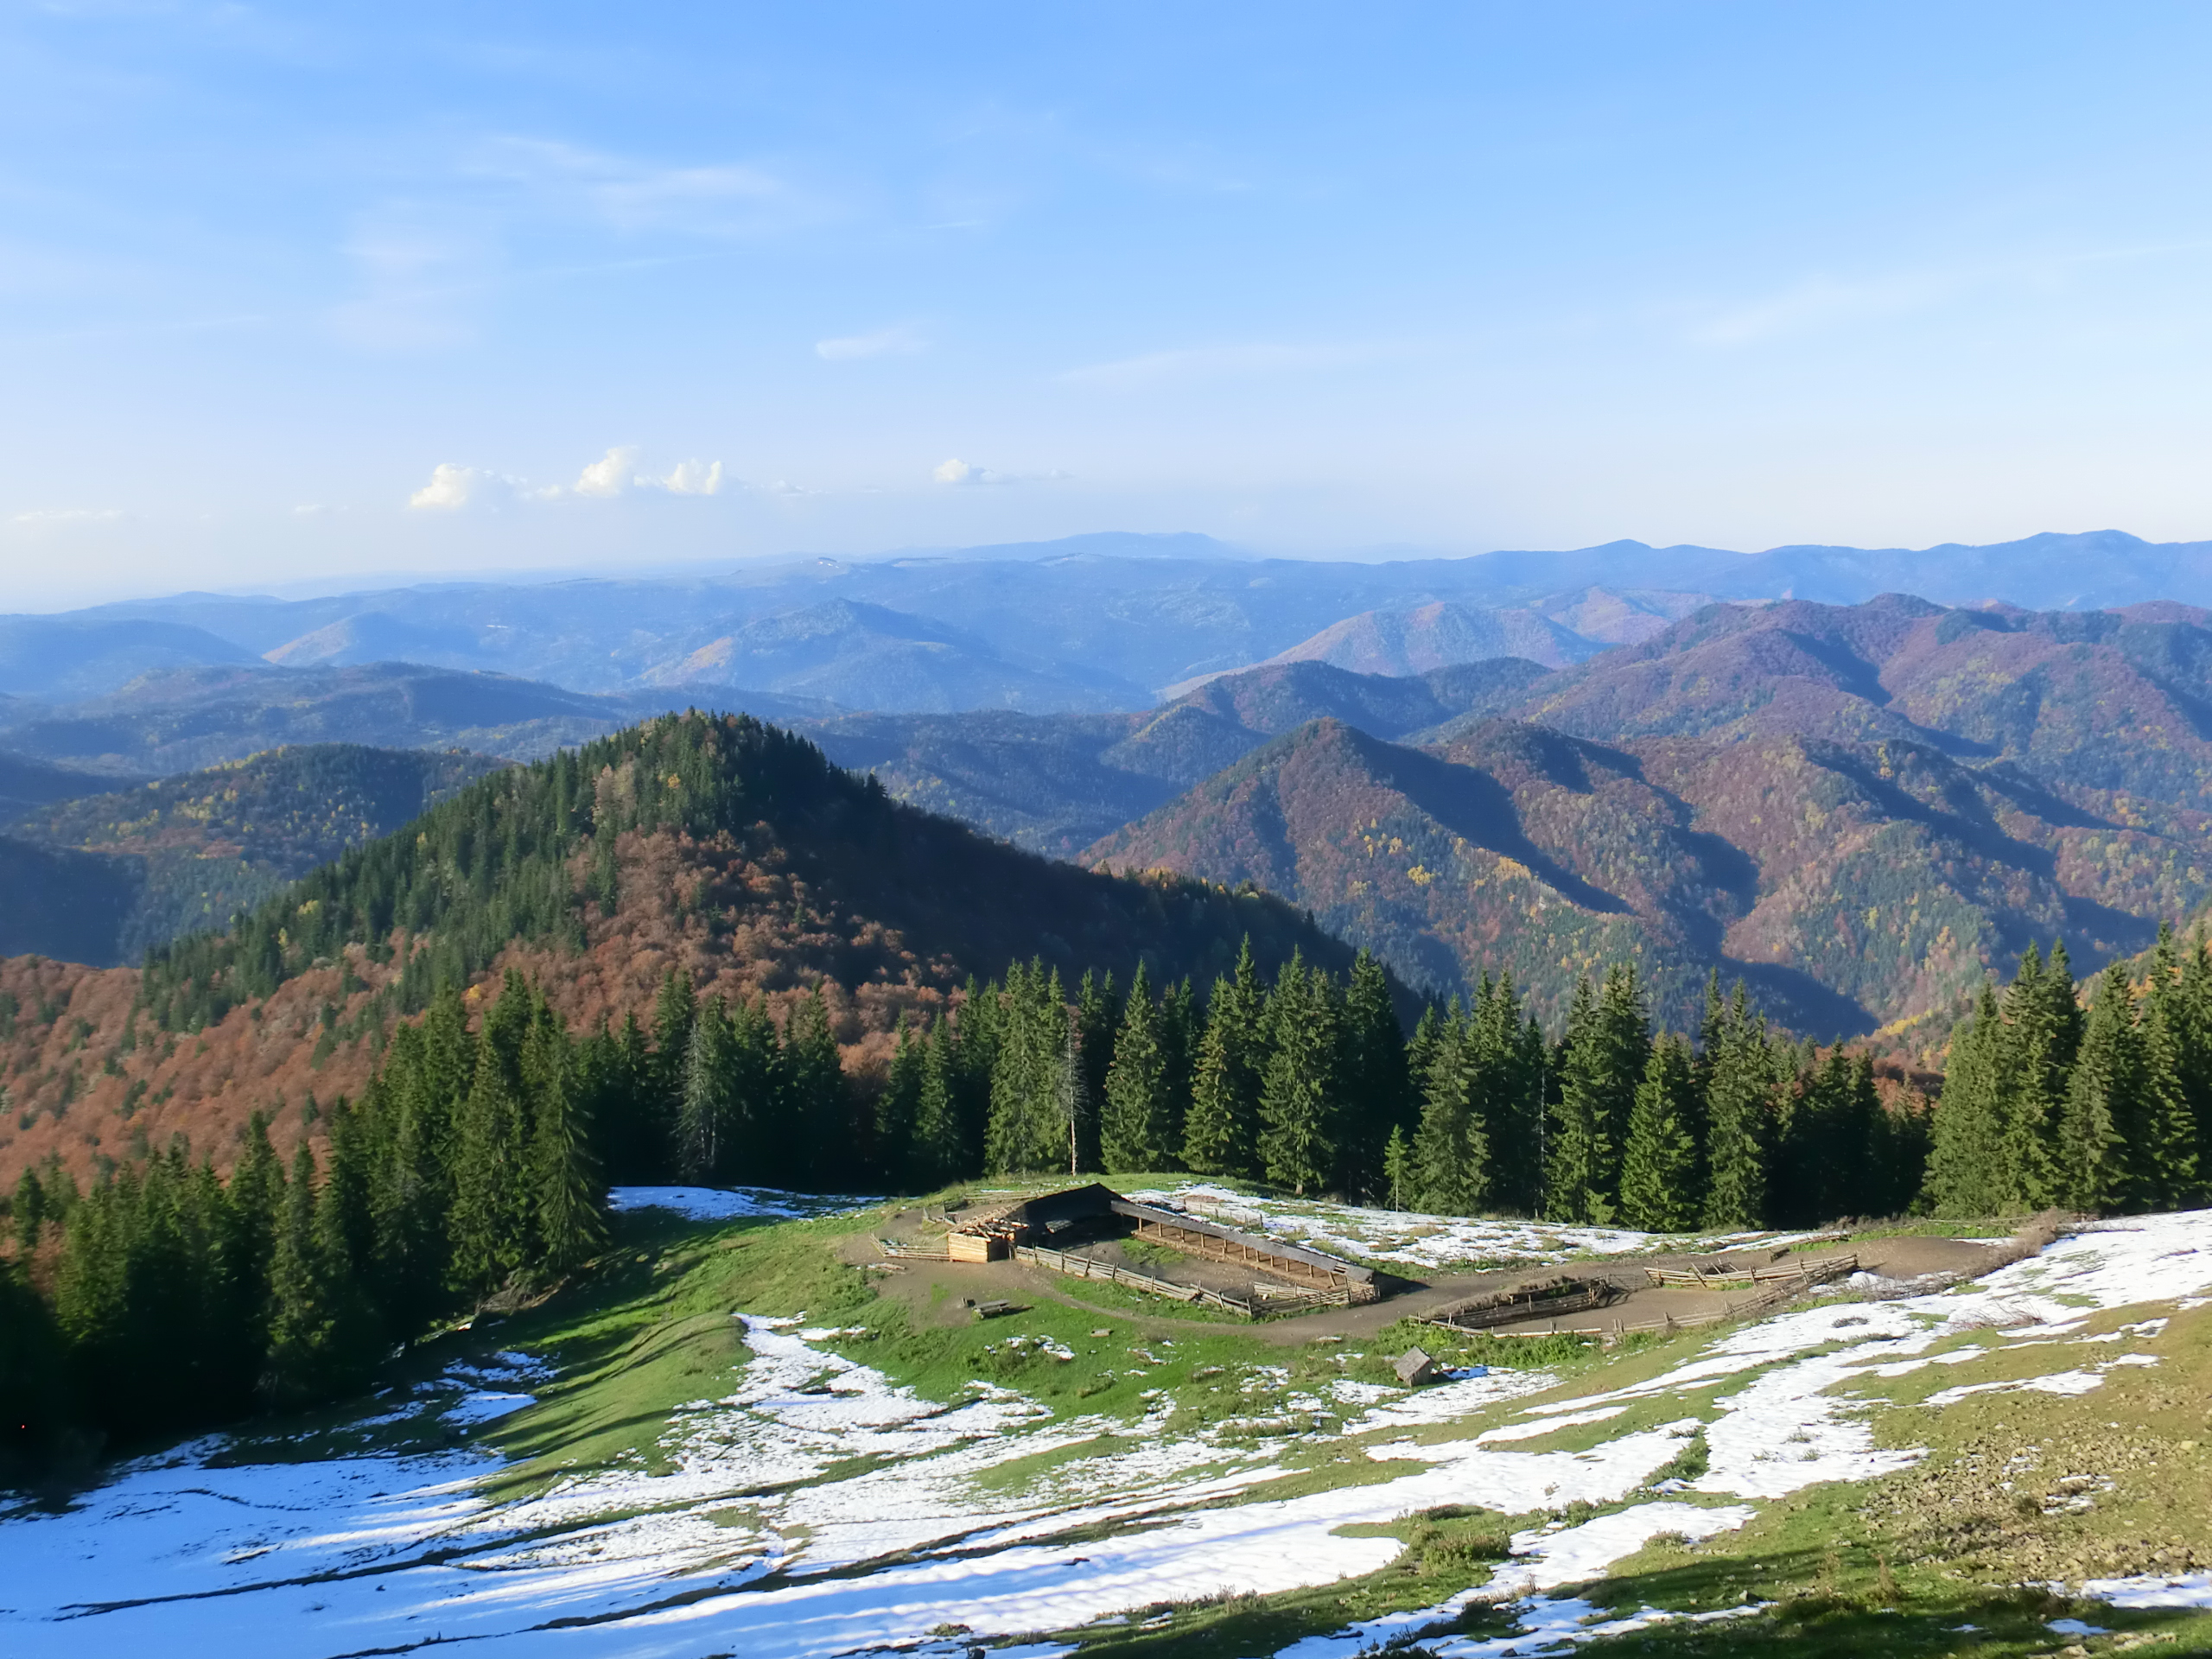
1093, 1232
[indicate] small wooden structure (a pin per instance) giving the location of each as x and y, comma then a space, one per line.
1415, 1367
1042, 1229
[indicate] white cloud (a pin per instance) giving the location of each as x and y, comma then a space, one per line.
452, 486
691, 478
957, 471
610, 474
883, 343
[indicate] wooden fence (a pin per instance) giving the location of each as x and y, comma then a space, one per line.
1773, 1289
1509, 1308
1088, 1267
1748, 1278
934, 1251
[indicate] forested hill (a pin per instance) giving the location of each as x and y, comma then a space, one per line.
182, 854
712, 845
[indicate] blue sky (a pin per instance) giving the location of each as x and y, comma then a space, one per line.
287, 292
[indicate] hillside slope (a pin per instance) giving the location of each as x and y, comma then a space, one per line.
715, 846
2098, 701
182, 720
185, 853
1056, 784
1855, 885
2008, 1466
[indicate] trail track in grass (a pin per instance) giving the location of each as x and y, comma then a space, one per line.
726, 1442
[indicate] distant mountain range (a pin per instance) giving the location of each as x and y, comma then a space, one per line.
1088, 624
1857, 801
1859, 808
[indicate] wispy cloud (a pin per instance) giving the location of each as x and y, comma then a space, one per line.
885, 342
45, 518
1821, 302
718, 199
1206, 362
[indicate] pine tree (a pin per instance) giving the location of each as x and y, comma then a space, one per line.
940, 1153
1450, 1160
2165, 1170
492, 1209
1608, 1040
1221, 1134
1137, 1124
1377, 1092
1739, 1083
1298, 1125
1965, 1159
1659, 1164
705, 1111
2104, 1113
569, 1202
1397, 1166
898, 1109
318, 1339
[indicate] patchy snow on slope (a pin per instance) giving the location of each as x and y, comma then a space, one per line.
1428, 1242
809, 1504
2185, 1590
1544, 1558
732, 1204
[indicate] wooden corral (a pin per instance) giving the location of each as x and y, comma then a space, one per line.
1042, 1229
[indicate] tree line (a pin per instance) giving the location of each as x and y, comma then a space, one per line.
476, 1159
2046, 1103
174, 1298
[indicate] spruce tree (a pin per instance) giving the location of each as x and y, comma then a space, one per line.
1298, 1125
318, 1342
1965, 1159
1608, 1040
2042, 1031
1097, 1017
705, 1111
816, 1104
898, 1109
1450, 1158
1659, 1164
1137, 1122
1221, 1134
2165, 1170
567, 1199
940, 1153
1397, 1166
1378, 1094
492, 1209
2104, 1114
1738, 1079
1028, 1134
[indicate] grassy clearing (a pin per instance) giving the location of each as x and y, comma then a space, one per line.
1892, 1566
